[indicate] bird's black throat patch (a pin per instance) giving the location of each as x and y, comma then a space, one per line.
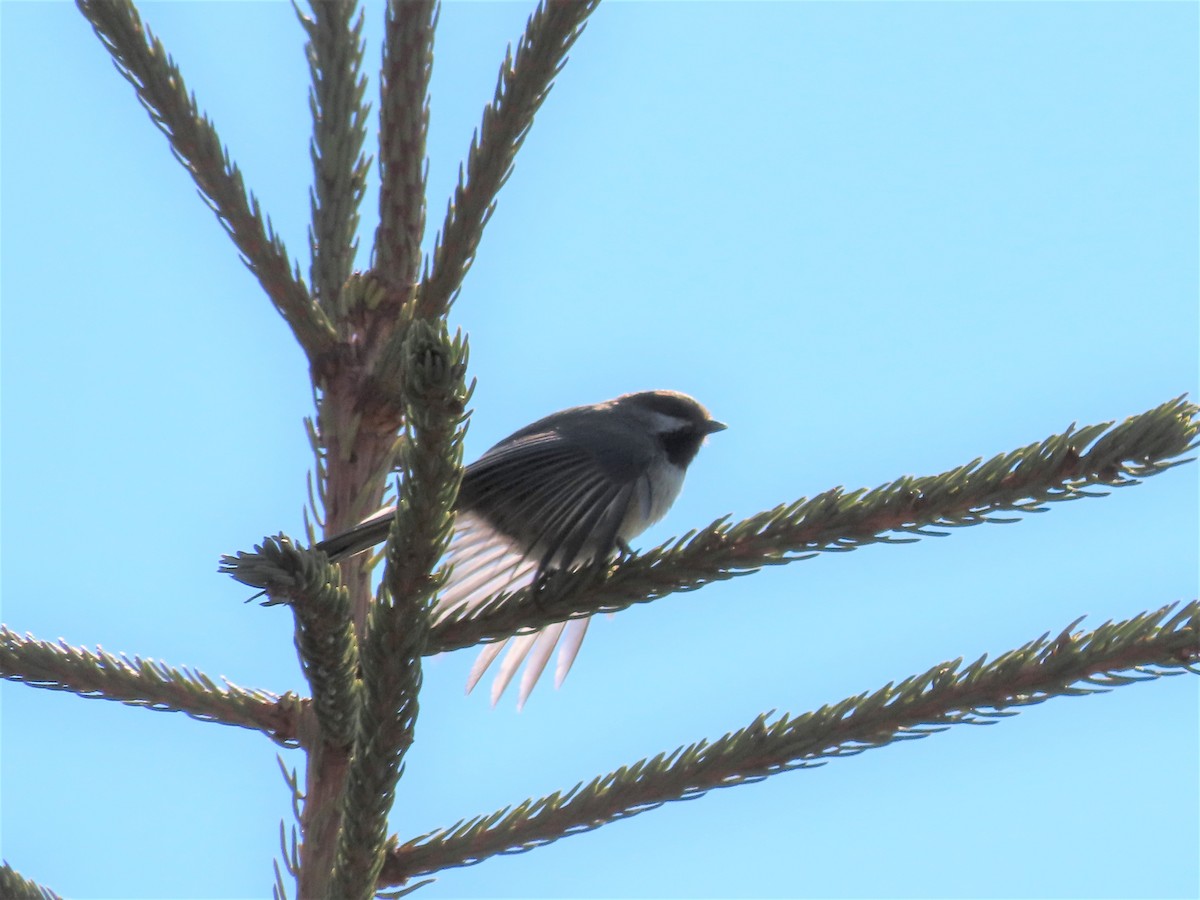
682, 446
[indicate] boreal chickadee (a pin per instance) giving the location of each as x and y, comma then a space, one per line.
571, 488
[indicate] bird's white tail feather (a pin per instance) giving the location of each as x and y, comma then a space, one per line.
569, 649
518, 648
543, 648
485, 564
482, 661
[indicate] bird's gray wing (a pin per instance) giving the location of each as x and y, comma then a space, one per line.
536, 502
544, 490
552, 495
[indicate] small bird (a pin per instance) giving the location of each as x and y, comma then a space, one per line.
569, 489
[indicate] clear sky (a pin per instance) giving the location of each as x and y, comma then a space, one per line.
876, 239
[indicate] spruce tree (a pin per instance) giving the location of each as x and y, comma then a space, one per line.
392, 386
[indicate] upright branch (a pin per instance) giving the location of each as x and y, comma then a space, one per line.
524, 82
403, 127
335, 52
325, 639
140, 57
359, 412
431, 468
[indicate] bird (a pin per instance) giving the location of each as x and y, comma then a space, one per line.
568, 490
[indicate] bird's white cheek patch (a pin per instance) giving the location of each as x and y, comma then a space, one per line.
661, 423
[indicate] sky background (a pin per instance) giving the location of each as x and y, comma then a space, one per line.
875, 239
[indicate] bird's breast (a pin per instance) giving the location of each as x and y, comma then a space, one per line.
653, 495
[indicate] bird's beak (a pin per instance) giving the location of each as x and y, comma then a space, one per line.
712, 425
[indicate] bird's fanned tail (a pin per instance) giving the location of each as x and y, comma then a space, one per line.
485, 564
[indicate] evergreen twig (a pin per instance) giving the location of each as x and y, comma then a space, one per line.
154, 685
140, 57
1145, 647
403, 127
335, 52
325, 637
328, 646
524, 82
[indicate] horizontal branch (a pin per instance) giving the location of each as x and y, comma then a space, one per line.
1142, 648
154, 685
140, 57
1062, 467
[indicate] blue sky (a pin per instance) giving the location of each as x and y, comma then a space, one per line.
874, 239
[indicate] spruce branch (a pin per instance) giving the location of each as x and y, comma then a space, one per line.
14, 886
139, 56
153, 685
1062, 467
328, 648
524, 82
1148, 646
329, 657
325, 639
335, 51
403, 127
279, 567
431, 469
